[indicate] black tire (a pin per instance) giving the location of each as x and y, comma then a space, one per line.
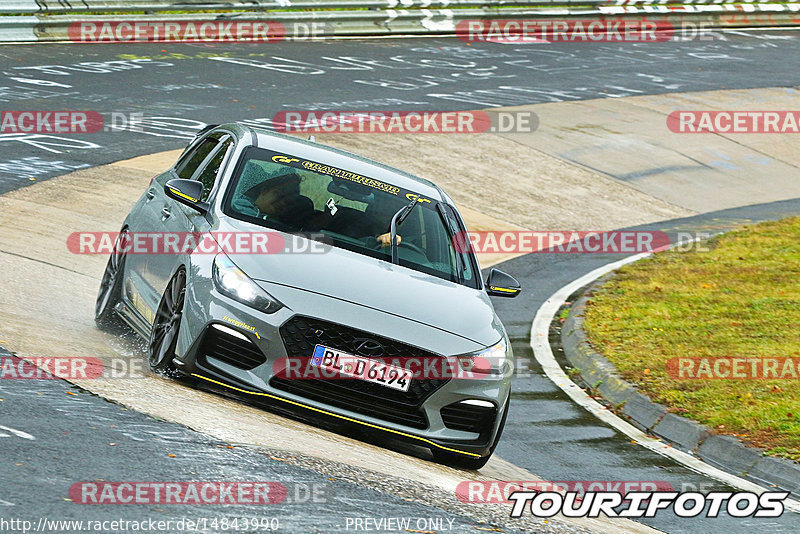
164, 335
110, 292
465, 462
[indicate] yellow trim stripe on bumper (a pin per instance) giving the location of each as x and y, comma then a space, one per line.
350, 419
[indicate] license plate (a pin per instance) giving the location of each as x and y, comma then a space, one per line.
361, 368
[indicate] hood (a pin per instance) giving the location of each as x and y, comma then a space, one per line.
376, 284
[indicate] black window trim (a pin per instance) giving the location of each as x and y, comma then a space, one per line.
473, 260
190, 152
201, 136
202, 167
203, 164
453, 223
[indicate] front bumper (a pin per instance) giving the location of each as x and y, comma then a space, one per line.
267, 336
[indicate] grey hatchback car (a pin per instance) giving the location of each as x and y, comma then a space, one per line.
319, 281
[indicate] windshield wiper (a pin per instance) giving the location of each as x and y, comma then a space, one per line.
397, 220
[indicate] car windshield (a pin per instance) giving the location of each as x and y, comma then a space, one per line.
347, 210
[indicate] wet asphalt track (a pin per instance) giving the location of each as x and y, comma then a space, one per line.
178, 88
78, 436
182, 86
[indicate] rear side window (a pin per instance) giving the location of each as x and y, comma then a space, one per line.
188, 165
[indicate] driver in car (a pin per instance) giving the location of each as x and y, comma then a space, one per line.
385, 240
382, 213
277, 198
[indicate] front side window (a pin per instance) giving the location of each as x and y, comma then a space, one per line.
187, 166
351, 211
208, 175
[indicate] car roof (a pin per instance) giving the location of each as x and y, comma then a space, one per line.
294, 146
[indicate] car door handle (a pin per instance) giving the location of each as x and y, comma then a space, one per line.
165, 213
150, 194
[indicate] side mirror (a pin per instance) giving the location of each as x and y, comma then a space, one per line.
188, 192
500, 284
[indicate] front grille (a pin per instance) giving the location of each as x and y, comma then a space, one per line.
230, 349
468, 417
301, 334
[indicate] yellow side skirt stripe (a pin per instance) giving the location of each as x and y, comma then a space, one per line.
350, 419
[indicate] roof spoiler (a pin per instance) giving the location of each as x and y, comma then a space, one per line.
207, 128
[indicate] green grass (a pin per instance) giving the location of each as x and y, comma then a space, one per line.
741, 299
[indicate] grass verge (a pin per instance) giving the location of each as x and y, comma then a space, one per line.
740, 299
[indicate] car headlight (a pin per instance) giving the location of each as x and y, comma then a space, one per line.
232, 282
489, 361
